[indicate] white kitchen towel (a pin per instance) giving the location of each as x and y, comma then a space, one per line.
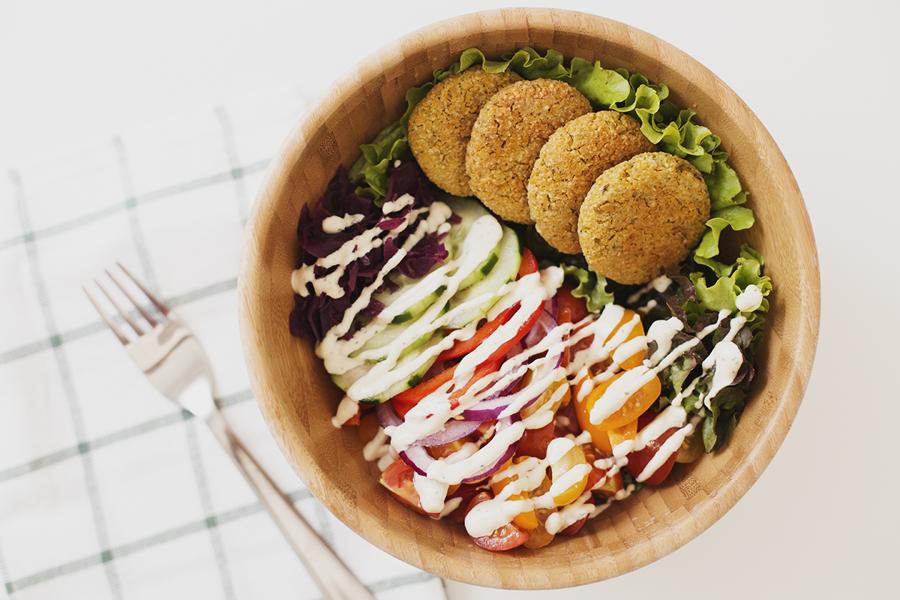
107, 490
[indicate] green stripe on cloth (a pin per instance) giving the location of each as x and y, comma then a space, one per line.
68, 386
190, 431
82, 331
117, 436
147, 197
108, 555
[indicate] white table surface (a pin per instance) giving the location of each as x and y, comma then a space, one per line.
823, 518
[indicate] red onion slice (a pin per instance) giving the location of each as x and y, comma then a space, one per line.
453, 430
495, 467
387, 416
544, 324
552, 307
417, 458
487, 409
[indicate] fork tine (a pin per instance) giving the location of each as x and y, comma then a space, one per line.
156, 302
150, 319
122, 312
105, 316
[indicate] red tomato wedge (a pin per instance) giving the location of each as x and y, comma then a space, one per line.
534, 442
463, 347
483, 369
528, 264
398, 478
503, 538
576, 307
638, 460
404, 401
509, 344
574, 527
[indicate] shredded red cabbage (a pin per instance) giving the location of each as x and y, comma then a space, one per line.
313, 315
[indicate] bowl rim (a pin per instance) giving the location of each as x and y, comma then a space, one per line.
754, 461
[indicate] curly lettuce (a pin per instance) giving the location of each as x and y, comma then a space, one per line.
590, 286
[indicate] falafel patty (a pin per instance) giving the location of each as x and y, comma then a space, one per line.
507, 138
569, 163
643, 216
440, 125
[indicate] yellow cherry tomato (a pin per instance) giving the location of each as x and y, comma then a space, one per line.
574, 457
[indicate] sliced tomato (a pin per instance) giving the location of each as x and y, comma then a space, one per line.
509, 344
576, 307
463, 347
575, 527
611, 486
503, 538
477, 499
398, 479
636, 405
645, 418
368, 428
534, 442
570, 419
404, 401
445, 450
594, 476
466, 493
397, 474
638, 460
528, 265
485, 368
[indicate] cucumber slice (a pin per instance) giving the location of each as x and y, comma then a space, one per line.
388, 335
414, 311
345, 380
416, 376
509, 255
483, 269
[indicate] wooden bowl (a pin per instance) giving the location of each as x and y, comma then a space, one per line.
298, 399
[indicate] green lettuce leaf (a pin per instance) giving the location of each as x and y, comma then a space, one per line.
736, 217
731, 280
722, 418
590, 286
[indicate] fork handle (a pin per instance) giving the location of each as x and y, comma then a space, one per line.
333, 577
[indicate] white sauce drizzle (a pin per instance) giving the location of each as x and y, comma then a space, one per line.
377, 446
345, 411
336, 224
750, 299
398, 204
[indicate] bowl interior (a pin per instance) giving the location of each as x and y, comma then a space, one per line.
297, 398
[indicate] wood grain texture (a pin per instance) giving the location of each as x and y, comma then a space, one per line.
297, 398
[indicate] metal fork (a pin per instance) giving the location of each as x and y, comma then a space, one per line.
175, 363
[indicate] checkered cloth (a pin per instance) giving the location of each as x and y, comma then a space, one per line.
107, 490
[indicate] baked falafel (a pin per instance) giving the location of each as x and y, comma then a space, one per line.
643, 216
569, 163
507, 137
441, 123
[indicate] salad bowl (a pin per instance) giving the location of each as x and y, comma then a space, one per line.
297, 397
